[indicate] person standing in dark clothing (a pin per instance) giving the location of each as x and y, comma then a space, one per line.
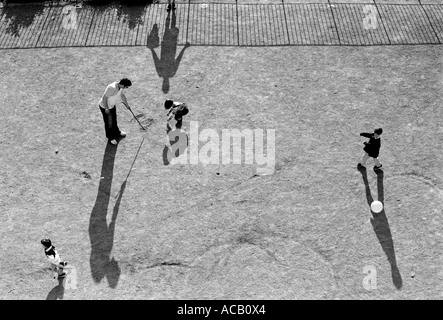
371, 148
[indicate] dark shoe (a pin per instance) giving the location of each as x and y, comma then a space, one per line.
378, 168
359, 165
64, 263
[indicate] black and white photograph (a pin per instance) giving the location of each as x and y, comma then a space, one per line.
239, 151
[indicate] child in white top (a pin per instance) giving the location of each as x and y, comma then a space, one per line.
53, 257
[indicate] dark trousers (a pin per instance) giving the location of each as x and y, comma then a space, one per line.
110, 120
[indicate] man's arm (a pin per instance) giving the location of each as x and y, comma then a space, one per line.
366, 135
125, 102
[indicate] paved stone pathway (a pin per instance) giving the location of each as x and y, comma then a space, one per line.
227, 23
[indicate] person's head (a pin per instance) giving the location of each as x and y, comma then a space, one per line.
46, 243
378, 132
168, 104
125, 83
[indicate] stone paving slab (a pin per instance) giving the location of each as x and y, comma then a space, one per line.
407, 25
435, 16
354, 28
352, 1
261, 25
408, 2
305, 1
108, 30
431, 1
227, 23
55, 35
311, 24
257, 2
213, 24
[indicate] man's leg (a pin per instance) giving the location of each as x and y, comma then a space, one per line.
115, 131
107, 123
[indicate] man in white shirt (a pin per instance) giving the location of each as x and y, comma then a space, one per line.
112, 96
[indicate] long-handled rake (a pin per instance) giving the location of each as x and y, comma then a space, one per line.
135, 117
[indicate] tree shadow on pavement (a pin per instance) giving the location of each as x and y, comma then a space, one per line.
20, 17
58, 292
133, 12
167, 65
127, 2
130, 11
102, 235
381, 228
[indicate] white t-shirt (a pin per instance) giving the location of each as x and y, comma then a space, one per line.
54, 259
114, 95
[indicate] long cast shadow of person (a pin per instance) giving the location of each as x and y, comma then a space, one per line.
178, 141
381, 228
167, 65
58, 292
101, 234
